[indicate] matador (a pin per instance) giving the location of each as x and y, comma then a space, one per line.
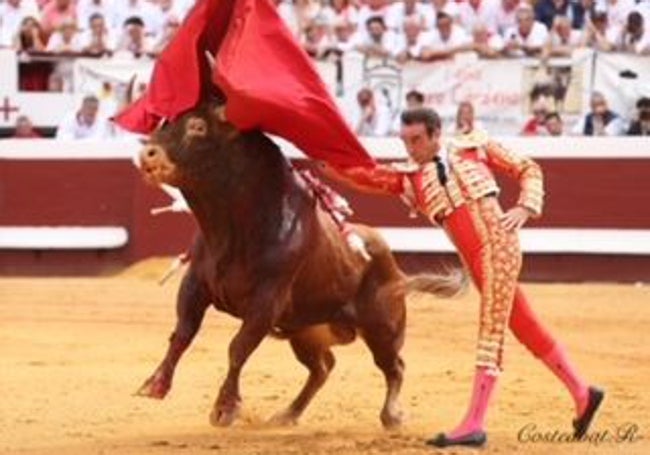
454, 187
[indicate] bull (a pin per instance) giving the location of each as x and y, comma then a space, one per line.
269, 255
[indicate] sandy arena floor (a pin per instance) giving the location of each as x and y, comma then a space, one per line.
73, 351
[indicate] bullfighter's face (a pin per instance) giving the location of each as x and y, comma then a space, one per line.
175, 150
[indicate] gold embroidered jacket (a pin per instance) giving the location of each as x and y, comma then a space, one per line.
469, 177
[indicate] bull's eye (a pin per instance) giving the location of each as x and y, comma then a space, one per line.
151, 153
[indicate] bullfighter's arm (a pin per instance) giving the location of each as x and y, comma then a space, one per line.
525, 170
377, 179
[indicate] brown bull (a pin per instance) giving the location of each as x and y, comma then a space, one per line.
271, 257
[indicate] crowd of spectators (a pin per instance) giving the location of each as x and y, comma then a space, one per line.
374, 119
435, 29
95, 27
402, 29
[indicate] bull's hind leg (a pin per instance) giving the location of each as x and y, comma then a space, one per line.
312, 348
382, 319
192, 301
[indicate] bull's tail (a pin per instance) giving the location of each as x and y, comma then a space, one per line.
447, 284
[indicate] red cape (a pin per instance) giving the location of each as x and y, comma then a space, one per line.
269, 82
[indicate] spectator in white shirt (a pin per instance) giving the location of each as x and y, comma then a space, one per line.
600, 121
529, 36
138, 8
374, 117
342, 11
342, 38
485, 43
413, 40
617, 12
133, 39
399, 11
634, 38
446, 6
448, 39
562, 39
316, 38
376, 41
88, 8
307, 11
370, 9
474, 11
506, 15
65, 39
97, 39
84, 123
170, 27
165, 9
12, 14
288, 14
598, 34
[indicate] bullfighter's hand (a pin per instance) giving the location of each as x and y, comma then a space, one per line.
515, 218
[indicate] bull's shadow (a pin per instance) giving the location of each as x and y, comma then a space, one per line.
269, 255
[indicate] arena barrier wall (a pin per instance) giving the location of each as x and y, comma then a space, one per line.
81, 208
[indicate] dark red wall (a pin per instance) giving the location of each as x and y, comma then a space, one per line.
582, 193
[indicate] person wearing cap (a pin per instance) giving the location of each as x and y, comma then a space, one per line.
454, 186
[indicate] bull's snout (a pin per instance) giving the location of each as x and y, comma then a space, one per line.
155, 165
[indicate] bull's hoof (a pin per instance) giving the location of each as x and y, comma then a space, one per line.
224, 416
392, 419
286, 418
155, 387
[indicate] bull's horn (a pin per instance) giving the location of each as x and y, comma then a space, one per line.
129, 89
212, 62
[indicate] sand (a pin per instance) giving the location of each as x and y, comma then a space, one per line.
74, 350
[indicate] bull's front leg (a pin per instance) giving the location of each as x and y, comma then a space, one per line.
261, 315
192, 301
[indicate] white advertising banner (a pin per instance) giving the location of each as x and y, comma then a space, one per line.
623, 79
502, 91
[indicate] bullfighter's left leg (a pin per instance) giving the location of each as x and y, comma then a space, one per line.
539, 341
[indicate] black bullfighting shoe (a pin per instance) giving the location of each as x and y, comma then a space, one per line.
474, 439
582, 423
